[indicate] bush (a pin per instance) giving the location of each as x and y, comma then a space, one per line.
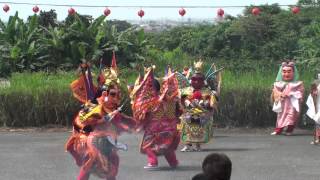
245, 99
37, 99
40, 99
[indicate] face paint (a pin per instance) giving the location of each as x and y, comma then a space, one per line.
197, 81
111, 99
113, 93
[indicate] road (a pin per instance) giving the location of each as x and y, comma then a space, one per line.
34, 155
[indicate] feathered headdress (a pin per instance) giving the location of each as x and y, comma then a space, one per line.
198, 66
144, 97
83, 88
111, 74
170, 86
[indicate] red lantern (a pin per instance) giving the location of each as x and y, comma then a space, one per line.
182, 12
220, 12
255, 11
71, 11
141, 13
107, 12
6, 8
35, 9
295, 10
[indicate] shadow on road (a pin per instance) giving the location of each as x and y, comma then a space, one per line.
220, 136
179, 168
302, 134
226, 149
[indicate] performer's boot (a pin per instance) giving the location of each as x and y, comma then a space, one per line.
198, 147
316, 137
152, 159
277, 131
83, 175
314, 142
187, 148
289, 130
172, 159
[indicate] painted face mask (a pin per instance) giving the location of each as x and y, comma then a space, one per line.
111, 99
197, 81
287, 73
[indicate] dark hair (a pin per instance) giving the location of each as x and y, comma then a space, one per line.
199, 176
217, 166
156, 85
198, 75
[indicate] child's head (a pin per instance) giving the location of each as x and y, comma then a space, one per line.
199, 176
217, 166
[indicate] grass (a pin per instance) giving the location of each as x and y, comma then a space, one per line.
39, 99
257, 79
35, 83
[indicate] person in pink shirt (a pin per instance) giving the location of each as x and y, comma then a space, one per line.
287, 96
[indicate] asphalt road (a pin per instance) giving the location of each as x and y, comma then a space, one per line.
255, 156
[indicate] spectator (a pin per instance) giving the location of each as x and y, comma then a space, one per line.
200, 176
215, 166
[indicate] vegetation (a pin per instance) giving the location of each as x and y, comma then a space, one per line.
246, 42
42, 44
37, 56
39, 99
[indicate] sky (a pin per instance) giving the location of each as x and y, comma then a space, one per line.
131, 13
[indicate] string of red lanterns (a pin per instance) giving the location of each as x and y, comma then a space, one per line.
182, 12
220, 12
71, 11
295, 10
6, 8
141, 13
35, 9
255, 11
107, 12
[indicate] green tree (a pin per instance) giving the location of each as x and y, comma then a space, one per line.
19, 41
309, 2
48, 18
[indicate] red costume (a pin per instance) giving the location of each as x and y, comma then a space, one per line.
93, 143
158, 114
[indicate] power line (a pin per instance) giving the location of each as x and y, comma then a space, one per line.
124, 6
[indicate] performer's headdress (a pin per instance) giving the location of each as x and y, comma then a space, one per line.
288, 63
170, 86
198, 66
111, 77
83, 88
111, 74
144, 96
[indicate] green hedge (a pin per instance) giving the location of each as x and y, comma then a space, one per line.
39, 99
